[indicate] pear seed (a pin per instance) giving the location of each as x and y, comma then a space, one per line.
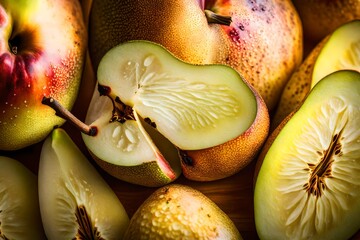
116, 132
130, 136
130, 148
149, 60
120, 143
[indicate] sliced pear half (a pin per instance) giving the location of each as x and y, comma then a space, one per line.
156, 104
75, 201
19, 202
308, 186
341, 51
195, 107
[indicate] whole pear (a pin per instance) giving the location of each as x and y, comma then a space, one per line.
329, 15
260, 39
178, 211
42, 51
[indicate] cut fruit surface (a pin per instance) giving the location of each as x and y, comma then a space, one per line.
19, 202
342, 51
127, 151
308, 186
75, 202
149, 105
195, 107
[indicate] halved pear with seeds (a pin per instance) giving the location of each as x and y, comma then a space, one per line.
156, 105
308, 186
19, 202
75, 201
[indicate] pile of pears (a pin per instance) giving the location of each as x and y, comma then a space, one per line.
156, 113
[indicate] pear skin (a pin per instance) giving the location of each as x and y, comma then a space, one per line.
263, 40
329, 15
180, 212
297, 88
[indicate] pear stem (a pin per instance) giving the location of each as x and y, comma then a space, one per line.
62, 112
217, 18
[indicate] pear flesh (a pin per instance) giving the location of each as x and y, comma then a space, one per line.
19, 202
344, 48
308, 186
75, 201
193, 107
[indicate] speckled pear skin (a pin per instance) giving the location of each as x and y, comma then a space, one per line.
180, 212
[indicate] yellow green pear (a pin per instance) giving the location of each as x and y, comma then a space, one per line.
42, 53
180, 212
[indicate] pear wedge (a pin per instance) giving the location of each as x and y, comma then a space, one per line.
19, 202
75, 201
308, 184
341, 51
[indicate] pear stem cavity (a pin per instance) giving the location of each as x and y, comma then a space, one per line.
62, 112
217, 18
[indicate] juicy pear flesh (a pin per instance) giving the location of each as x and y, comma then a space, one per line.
161, 160
75, 201
193, 107
180, 212
342, 51
308, 186
19, 203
